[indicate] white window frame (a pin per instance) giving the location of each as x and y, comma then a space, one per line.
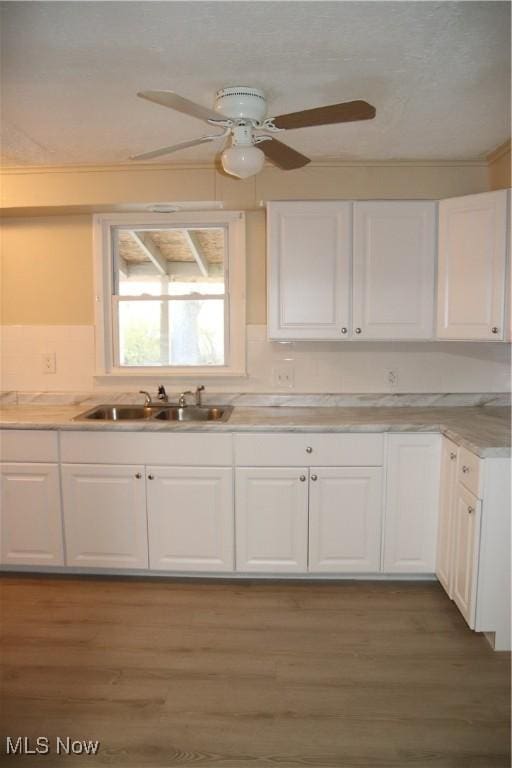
234, 275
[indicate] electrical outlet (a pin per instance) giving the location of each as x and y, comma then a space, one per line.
49, 362
392, 378
283, 375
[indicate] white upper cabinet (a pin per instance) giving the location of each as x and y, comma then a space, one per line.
393, 270
309, 249
471, 272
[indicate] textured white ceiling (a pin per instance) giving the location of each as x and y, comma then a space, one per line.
437, 72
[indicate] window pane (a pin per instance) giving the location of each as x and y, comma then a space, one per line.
159, 333
140, 333
176, 261
196, 332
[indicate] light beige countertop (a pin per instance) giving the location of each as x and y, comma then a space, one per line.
483, 430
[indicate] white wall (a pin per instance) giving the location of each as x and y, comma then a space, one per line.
320, 367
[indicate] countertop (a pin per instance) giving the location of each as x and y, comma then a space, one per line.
484, 430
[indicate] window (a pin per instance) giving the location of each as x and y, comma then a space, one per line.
170, 294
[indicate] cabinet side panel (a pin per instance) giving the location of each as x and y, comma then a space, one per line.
412, 503
494, 569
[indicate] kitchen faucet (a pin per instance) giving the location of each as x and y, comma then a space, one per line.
162, 394
147, 397
182, 400
198, 394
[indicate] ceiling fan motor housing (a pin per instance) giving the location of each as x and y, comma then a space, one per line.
241, 103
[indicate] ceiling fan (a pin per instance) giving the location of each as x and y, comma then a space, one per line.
241, 112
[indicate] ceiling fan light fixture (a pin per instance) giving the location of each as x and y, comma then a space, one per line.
243, 161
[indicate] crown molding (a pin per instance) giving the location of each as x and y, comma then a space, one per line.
145, 167
497, 153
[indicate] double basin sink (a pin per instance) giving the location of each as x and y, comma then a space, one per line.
156, 413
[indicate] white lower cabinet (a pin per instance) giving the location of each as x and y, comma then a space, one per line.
409, 503
272, 519
190, 518
317, 519
467, 516
31, 521
445, 531
345, 506
412, 502
105, 515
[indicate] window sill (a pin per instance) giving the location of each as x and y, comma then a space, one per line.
156, 375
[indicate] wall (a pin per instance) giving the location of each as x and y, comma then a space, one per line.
47, 271
500, 167
27, 195
46, 275
334, 367
33, 188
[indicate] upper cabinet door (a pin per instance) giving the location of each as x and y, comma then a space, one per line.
309, 247
471, 276
394, 268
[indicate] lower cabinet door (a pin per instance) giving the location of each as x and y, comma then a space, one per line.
445, 537
272, 519
467, 545
190, 518
105, 516
412, 503
345, 507
30, 509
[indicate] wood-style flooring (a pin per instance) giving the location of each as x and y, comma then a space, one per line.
249, 674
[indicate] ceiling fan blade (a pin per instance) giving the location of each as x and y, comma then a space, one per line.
345, 112
282, 155
180, 104
174, 148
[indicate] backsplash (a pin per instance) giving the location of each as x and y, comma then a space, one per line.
273, 367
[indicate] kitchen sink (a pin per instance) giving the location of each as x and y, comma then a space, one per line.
118, 412
160, 412
194, 413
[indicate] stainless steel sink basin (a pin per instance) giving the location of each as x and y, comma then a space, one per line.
194, 413
119, 412
162, 413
